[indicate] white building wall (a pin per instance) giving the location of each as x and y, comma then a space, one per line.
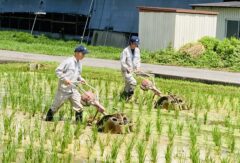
224, 15
156, 30
192, 27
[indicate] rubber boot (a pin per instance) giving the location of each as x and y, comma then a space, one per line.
49, 116
129, 95
79, 116
123, 95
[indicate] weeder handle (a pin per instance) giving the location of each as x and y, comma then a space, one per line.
139, 73
76, 85
97, 93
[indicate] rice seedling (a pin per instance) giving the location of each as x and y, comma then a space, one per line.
171, 132
4, 102
54, 157
149, 107
28, 155
40, 154
196, 114
205, 118
77, 130
148, 130
216, 136
159, 126
94, 134
193, 135
227, 121
63, 145
180, 128
195, 154
231, 143
108, 159
68, 158
128, 151
138, 125
108, 139
154, 152
7, 120
225, 160
20, 137
115, 149
168, 154
101, 146
176, 113
141, 151
89, 149
10, 153
158, 113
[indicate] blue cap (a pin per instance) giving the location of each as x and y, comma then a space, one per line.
81, 49
135, 39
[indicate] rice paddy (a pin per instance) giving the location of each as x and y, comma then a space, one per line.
208, 132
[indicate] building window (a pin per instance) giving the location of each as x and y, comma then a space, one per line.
233, 28
69, 24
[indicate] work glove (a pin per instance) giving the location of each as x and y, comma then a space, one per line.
138, 70
81, 80
67, 82
129, 70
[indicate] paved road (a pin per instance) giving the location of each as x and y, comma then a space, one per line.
207, 76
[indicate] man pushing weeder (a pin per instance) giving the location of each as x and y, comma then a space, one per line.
69, 72
130, 62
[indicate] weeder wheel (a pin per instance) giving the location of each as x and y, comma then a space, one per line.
162, 103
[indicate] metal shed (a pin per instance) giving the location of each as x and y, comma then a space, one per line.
228, 21
161, 27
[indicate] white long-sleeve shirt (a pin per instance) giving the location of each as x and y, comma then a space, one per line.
70, 69
129, 60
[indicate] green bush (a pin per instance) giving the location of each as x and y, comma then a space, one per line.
209, 43
210, 59
221, 53
225, 49
228, 50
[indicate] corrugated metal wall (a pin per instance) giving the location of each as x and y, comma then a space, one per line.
107, 38
120, 15
159, 30
191, 27
123, 15
52, 6
19, 6
224, 14
156, 30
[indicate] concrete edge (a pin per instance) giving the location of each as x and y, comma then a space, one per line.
197, 80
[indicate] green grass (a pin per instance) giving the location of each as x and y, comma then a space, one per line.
223, 57
25, 42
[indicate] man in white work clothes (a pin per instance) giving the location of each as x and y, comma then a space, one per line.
69, 73
130, 63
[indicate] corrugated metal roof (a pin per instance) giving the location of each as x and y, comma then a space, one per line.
174, 10
233, 4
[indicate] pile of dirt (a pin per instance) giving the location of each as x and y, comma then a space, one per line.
194, 50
